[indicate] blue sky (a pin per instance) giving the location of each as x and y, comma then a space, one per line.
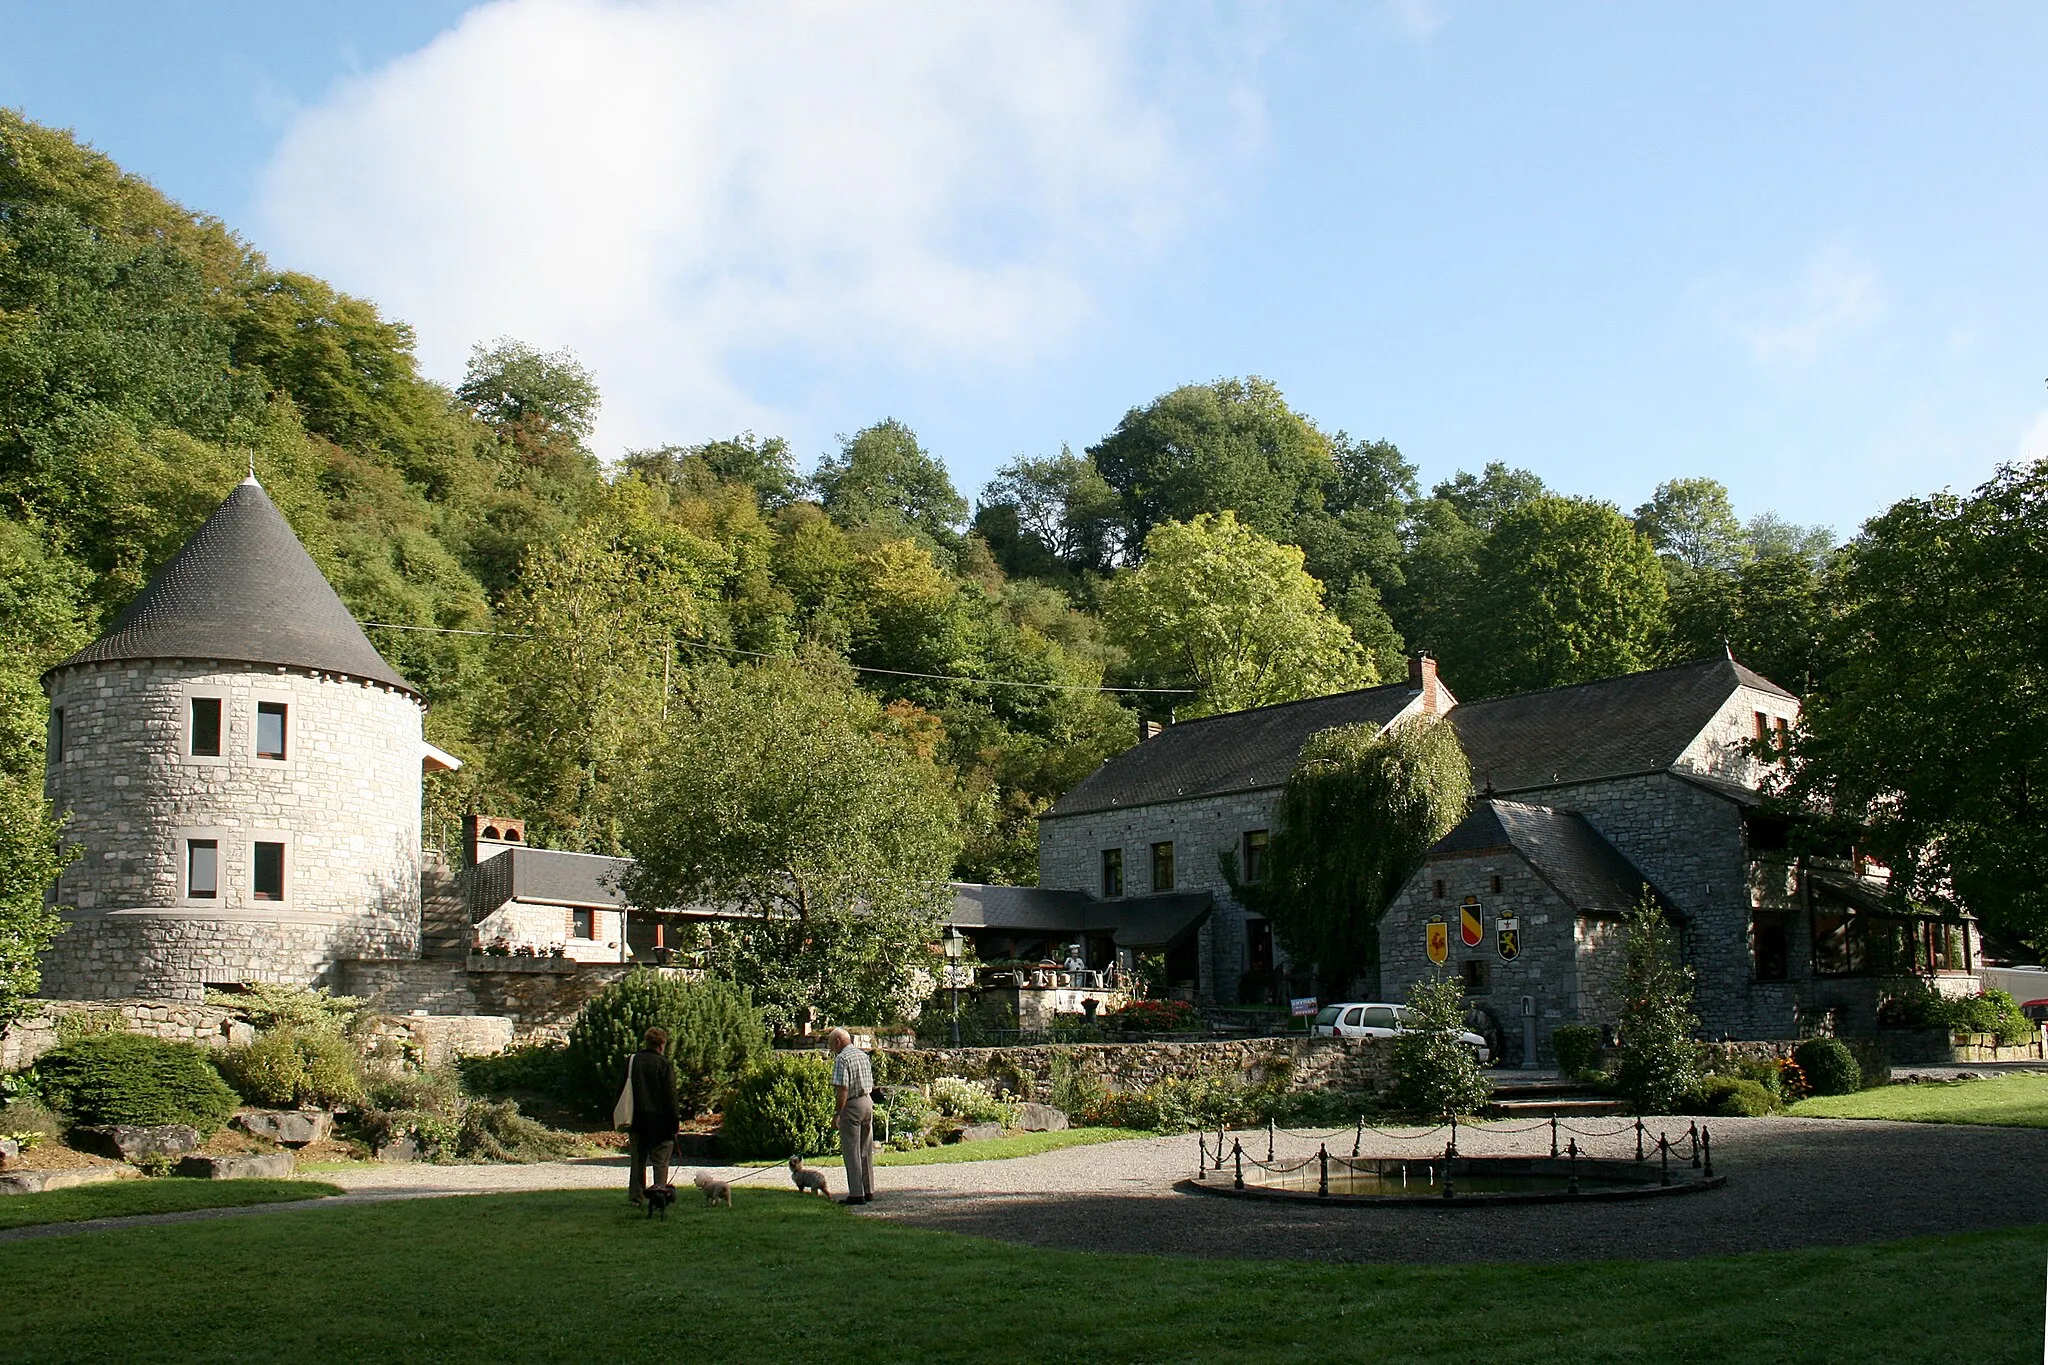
1793, 247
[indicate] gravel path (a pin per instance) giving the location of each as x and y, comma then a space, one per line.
1791, 1183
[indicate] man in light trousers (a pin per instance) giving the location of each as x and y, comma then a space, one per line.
853, 1077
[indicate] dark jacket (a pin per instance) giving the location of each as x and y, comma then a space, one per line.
655, 1112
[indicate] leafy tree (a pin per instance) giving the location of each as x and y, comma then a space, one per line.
1925, 741
1220, 608
1691, 521
1565, 591
31, 855
1482, 499
1358, 814
883, 478
1231, 446
1436, 1077
1770, 536
1058, 513
1772, 613
1660, 1061
513, 386
782, 798
763, 464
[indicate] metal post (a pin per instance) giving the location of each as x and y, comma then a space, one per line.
1269, 1139
1450, 1154
1358, 1138
1553, 1137
1453, 1150
1201, 1154
1323, 1180
1573, 1187
1695, 1136
1237, 1158
1639, 1139
1707, 1153
1664, 1150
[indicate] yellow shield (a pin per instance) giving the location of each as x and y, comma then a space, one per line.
1439, 941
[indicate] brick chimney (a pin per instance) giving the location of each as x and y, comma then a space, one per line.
1422, 673
486, 836
1149, 728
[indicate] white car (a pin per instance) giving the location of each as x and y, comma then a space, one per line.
1363, 1019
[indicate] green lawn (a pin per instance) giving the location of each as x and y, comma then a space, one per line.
2019, 1101
123, 1198
993, 1149
578, 1276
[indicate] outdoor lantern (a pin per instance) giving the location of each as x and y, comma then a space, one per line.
952, 943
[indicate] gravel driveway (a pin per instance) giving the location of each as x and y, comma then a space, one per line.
1791, 1183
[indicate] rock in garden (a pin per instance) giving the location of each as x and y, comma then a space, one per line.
981, 1132
1041, 1118
253, 1166
10, 1150
288, 1127
137, 1141
406, 1148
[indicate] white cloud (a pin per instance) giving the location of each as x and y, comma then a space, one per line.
1419, 19
1791, 324
2034, 444
687, 192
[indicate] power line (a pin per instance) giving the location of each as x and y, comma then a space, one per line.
858, 668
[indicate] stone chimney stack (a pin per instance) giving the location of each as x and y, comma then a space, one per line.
1149, 728
1422, 673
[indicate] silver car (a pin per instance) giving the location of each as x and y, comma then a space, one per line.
1367, 1019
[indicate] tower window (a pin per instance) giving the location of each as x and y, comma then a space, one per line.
56, 734
202, 868
206, 727
1112, 872
269, 879
1162, 866
270, 729
1255, 842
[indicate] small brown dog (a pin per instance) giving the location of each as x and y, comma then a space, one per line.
716, 1191
807, 1179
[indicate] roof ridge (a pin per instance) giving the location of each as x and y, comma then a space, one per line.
1281, 705
1602, 682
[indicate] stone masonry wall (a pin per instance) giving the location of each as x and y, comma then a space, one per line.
36, 1033
1308, 1064
541, 997
1070, 859
345, 802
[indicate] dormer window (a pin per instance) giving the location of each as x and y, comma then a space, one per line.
205, 728
270, 728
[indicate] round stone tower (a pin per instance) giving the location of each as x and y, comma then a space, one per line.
242, 770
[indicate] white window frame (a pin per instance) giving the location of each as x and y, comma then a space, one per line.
197, 692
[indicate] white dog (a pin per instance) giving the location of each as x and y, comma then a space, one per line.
716, 1191
806, 1179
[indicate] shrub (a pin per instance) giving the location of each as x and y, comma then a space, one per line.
1180, 1105
296, 1067
1660, 1062
26, 1120
1080, 1094
714, 1032
1829, 1067
495, 1130
75, 1024
1577, 1047
1729, 1097
970, 1100
1873, 1059
1316, 1108
1155, 1016
1435, 1075
436, 1091
129, 1078
534, 1069
269, 1005
782, 1106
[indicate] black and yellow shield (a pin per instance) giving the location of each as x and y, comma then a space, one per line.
1507, 937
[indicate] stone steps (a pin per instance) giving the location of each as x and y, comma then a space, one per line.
1561, 1107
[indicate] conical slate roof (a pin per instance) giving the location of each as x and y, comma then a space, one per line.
243, 589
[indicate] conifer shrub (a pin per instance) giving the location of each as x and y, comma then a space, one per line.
1729, 1097
1578, 1049
781, 1106
714, 1034
1660, 1060
1829, 1067
1435, 1075
289, 1068
533, 1069
130, 1078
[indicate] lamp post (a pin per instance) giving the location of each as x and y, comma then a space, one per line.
953, 944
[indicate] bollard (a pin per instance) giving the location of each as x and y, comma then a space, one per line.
1201, 1154
1639, 1139
1553, 1137
1323, 1180
1237, 1159
1695, 1136
1707, 1153
1454, 1135
1573, 1187
1450, 1154
1269, 1140
1664, 1149
1358, 1138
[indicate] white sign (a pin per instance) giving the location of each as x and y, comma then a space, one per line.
1304, 1005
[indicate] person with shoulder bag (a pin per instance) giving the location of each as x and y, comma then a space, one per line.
648, 1109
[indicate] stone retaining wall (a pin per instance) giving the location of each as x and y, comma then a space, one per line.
1308, 1064
541, 996
36, 1033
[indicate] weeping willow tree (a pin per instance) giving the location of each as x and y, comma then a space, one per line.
1359, 812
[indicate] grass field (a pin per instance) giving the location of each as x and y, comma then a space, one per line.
124, 1198
993, 1149
2019, 1101
578, 1276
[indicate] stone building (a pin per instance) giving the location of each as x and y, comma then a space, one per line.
242, 771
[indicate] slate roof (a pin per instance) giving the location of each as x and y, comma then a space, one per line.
1639, 723
243, 589
1236, 751
547, 876
1590, 874
1134, 921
